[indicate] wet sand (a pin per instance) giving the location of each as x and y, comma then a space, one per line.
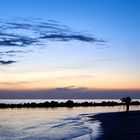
119, 125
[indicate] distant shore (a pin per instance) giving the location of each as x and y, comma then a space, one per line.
68, 103
119, 125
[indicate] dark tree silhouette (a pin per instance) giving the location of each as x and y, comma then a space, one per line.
70, 103
127, 102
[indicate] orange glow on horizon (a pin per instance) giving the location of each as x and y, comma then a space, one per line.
51, 80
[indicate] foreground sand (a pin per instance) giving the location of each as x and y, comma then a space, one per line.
119, 126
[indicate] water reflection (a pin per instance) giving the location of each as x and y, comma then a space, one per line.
51, 123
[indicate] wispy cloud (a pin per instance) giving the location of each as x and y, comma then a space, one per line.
8, 62
12, 52
19, 41
21, 33
69, 37
28, 32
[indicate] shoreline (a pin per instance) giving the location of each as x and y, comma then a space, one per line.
118, 125
68, 103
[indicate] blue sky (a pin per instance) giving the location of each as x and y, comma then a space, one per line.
111, 61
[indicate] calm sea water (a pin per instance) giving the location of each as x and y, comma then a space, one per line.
51, 123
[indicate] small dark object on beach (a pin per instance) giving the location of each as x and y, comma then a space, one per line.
127, 101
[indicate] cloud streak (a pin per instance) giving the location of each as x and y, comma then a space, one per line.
18, 41
22, 33
14, 52
10, 53
8, 62
31, 32
66, 37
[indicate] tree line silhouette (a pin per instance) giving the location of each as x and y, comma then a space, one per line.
68, 103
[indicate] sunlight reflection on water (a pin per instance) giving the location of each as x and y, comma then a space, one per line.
51, 123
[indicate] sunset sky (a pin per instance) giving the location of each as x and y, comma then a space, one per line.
69, 44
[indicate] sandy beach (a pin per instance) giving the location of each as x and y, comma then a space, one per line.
119, 125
